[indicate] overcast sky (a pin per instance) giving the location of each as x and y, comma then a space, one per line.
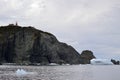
85, 24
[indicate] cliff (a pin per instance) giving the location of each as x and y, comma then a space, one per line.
86, 56
27, 45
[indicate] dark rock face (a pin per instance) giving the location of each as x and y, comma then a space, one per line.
86, 56
115, 62
29, 45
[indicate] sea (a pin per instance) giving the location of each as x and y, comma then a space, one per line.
63, 72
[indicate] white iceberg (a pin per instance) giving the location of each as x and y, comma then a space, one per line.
20, 72
101, 62
53, 64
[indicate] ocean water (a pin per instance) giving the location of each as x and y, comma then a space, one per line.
68, 72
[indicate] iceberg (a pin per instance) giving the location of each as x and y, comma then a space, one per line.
53, 64
101, 62
20, 72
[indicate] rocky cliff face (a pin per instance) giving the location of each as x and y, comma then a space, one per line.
86, 56
29, 45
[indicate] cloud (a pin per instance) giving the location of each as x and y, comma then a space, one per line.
84, 24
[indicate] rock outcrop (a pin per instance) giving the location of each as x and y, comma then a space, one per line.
27, 45
86, 56
115, 62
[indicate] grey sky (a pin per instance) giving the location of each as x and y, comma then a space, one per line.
84, 24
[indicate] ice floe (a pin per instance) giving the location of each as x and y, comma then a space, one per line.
21, 72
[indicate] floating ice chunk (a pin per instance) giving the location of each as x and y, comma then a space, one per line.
20, 72
53, 64
101, 62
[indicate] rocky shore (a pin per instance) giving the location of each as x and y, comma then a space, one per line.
27, 45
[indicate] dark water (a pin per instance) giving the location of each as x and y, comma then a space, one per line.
72, 72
